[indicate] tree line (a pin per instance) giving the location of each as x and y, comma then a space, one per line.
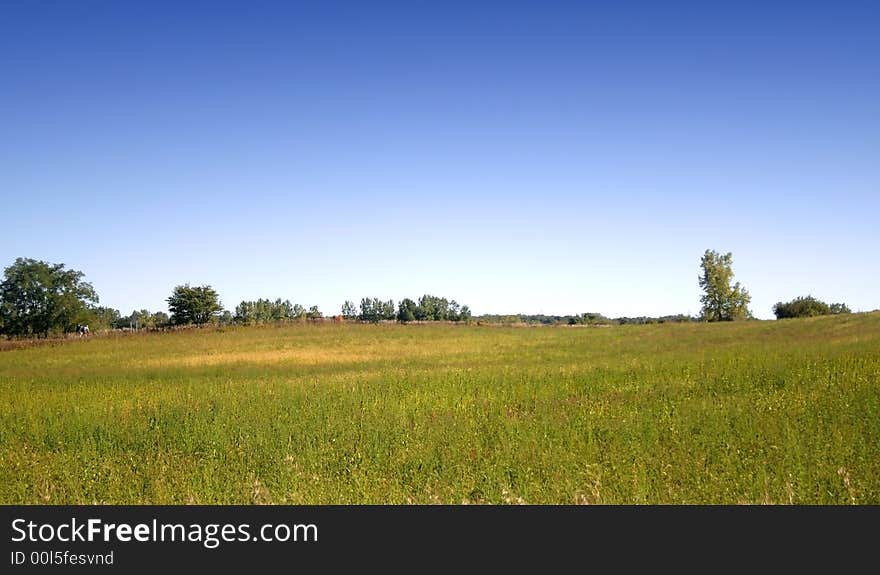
264, 311
38, 298
428, 308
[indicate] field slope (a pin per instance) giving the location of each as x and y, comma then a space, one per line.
756, 412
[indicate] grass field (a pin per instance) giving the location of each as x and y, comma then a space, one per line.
755, 412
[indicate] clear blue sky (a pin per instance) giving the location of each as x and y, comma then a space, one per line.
537, 157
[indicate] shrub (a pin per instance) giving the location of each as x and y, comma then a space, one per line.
807, 307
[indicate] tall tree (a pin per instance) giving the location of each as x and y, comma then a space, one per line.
193, 305
454, 311
388, 310
244, 312
406, 310
425, 310
37, 298
349, 310
721, 301
160, 319
102, 318
371, 309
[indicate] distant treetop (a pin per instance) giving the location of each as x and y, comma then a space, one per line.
193, 305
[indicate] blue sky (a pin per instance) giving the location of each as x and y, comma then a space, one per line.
536, 157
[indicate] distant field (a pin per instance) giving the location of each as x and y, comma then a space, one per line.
757, 412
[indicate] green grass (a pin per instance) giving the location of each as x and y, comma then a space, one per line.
755, 412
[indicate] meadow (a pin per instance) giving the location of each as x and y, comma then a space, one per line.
747, 412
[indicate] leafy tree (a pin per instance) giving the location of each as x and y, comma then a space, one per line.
193, 305
441, 309
262, 311
143, 319
282, 310
160, 319
425, 310
721, 302
372, 309
245, 313
388, 310
123, 322
432, 308
314, 313
454, 311
37, 297
458, 312
102, 318
406, 310
349, 310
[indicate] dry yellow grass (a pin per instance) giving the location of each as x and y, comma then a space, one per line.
305, 356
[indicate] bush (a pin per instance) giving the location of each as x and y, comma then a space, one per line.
807, 307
